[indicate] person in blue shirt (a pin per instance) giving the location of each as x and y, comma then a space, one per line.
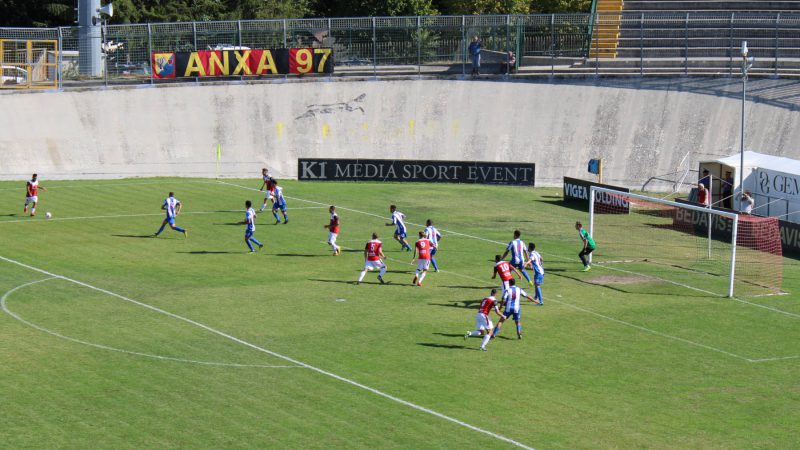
475, 55
250, 222
172, 206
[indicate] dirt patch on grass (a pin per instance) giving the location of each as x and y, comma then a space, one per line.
616, 279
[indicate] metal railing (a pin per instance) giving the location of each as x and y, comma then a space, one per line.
696, 43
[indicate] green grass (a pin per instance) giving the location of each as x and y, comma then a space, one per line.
603, 364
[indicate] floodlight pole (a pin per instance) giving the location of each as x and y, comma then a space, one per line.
745, 66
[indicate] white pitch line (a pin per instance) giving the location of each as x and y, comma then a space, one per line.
275, 354
780, 358
86, 185
118, 216
4, 307
796, 316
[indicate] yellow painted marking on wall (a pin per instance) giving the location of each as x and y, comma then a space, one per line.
279, 129
411, 124
455, 127
365, 129
326, 130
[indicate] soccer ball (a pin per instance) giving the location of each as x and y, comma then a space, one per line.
48, 215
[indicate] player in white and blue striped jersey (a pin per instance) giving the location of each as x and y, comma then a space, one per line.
511, 301
400, 231
536, 263
279, 202
519, 255
250, 229
433, 235
172, 206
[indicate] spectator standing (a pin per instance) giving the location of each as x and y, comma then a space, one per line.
705, 180
727, 191
475, 55
748, 203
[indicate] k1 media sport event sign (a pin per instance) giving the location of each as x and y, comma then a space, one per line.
576, 190
517, 174
249, 62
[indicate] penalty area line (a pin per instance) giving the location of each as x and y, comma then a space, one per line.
275, 354
578, 308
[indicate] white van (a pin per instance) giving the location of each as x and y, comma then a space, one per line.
13, 75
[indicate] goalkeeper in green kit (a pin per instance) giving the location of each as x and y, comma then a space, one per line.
588, 246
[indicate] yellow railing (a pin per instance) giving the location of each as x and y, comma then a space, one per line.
605, 34
28, 64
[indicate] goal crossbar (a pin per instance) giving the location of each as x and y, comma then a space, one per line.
707, 210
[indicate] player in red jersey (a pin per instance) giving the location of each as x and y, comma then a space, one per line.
483, 324
504, 269
333, 231
268, 184
32, 194
373, 254
423, 246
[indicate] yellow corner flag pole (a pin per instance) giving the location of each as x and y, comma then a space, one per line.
219, 157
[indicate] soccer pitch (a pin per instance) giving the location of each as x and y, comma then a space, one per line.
114, 339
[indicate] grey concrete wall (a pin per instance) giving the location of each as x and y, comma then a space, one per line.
641, 128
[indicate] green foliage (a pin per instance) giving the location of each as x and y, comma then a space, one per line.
26, 13
486, 6
50, 13
358, 8
560, 6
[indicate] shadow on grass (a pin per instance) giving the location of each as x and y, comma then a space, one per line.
300, 255
446, 346
465, 304
576, 206
471, 287
212, 252
140, 236
462, 336
353, 282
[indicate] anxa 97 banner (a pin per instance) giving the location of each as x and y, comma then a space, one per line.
242, 62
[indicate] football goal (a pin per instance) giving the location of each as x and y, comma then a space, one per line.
700, 248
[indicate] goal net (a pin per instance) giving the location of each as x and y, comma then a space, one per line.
684, 244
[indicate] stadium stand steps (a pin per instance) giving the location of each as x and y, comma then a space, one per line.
709, 29
605, 32
712, 5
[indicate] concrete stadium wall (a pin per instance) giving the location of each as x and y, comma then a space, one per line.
641, 128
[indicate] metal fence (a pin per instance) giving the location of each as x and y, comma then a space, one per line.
642, 44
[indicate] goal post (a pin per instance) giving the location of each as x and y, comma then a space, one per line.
696, 247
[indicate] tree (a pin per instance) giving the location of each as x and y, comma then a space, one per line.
26, 13
485, 6
369, 8
561, 6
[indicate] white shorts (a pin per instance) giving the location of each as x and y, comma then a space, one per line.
332, 237
369, 265
268, 195
33, 199
483, 322
504, 285
423, 264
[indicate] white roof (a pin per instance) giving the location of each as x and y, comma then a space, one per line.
762, 161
